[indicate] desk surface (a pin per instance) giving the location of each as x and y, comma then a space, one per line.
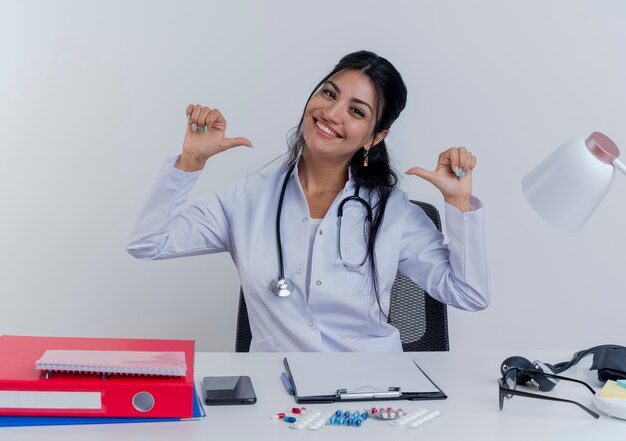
470, 412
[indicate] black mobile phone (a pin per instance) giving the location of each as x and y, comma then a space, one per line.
228, 390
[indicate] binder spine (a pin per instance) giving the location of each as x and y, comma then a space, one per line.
113, 399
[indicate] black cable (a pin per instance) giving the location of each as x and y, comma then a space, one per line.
564, 365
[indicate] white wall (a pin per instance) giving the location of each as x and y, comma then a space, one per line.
92, 99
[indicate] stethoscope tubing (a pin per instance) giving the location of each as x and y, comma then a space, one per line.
282, 286
281, 266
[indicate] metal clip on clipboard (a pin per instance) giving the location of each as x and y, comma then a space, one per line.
393, 392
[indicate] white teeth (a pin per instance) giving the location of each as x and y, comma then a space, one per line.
325, 129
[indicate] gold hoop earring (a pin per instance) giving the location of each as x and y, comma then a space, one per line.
365, 158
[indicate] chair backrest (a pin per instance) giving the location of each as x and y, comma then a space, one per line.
421, 320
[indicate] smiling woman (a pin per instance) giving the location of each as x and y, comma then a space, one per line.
335, 286
338, 120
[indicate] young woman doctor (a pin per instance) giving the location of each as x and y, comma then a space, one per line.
317, 243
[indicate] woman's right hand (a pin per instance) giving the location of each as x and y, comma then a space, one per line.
205, 137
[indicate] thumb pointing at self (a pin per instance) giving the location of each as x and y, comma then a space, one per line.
229, 143
422, 173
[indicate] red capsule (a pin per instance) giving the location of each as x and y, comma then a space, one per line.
278, 416
296, 410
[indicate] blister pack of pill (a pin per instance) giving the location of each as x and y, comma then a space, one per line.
311, 421
415, 418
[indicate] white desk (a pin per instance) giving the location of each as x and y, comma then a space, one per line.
471, 411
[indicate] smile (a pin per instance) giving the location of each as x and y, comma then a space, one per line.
325, 129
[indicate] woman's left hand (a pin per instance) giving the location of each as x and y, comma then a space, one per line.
452, 176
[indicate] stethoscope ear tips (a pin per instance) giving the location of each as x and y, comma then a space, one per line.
281, 287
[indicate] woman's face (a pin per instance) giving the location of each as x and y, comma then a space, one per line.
340, 117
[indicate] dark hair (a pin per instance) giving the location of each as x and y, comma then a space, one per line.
378, 176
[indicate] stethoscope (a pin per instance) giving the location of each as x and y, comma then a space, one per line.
282, 286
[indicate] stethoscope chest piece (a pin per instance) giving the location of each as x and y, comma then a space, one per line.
281, 287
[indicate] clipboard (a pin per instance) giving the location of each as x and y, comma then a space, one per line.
351, 376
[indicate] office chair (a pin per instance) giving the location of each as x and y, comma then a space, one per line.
421, 320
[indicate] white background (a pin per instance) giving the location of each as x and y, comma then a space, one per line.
92, 99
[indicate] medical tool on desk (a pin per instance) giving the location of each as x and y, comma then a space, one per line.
282, 286
608, 360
